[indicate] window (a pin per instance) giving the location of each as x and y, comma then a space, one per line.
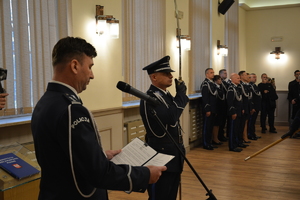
29, 30
144, 40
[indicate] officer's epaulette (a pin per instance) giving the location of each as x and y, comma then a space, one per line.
72, 98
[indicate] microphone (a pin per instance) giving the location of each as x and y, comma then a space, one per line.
131, 90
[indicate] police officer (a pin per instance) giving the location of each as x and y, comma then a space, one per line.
209, 108
235, 111
247, 107
66, 139
223, 115
256, 100
221, 110
168, 113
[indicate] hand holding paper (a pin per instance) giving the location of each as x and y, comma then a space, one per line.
155, 173
111, 153
138, 153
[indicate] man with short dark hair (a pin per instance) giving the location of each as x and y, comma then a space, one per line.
209, 108
66, 139
224, 87
168, 113
247, 107
256, 100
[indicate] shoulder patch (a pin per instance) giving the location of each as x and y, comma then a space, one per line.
72, 98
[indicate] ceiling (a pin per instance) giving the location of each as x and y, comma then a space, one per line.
259, 4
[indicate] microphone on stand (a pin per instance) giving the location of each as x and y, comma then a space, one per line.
131, 90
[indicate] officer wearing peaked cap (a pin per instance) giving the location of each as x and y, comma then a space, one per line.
162, 65
168, 112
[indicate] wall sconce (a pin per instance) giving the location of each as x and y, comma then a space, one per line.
185, 42
277, 52
222, 49
106, 23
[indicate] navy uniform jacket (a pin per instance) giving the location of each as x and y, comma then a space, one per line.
234, 100
221, 100
209, 96
225, 86
168, 112
293, 91
50, 128
256, 96
247, 97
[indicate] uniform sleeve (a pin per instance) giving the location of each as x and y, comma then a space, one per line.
230, 102
90, 161
205, 98
169, 114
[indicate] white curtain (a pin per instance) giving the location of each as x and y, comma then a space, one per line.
232, 39
200, 45
143, 41
29, 30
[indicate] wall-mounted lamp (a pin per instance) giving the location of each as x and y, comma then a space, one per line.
222, 49
185, 41
277, 52
106, 23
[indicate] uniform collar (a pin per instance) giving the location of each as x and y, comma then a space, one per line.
165, 92
234, 84
209, 80
66, 85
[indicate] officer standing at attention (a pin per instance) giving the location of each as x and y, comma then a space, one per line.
247, 107
168, 112
256, 100
209, 108
235, 111
66, 139
221, 110
223, 117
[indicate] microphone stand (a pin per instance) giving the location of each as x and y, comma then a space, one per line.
209, 192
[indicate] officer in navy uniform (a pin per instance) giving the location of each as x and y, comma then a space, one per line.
247, 107
224, 86
256, 99
221, 110
168, 112
66, 139
209, 108
235, 111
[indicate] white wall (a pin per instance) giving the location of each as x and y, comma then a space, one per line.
261, 25
217, 33
171, 49
101, 92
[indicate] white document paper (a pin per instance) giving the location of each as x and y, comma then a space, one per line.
138, 153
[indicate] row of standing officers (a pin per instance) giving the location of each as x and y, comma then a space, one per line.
234, 105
